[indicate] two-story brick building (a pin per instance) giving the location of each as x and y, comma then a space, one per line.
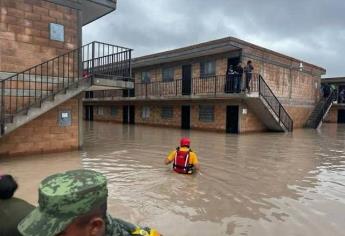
189, 88
44, 68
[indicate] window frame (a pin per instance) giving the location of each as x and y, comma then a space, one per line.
113, 111
204, 64
167, 115
171, 76
145, 77
145, 112
203, 113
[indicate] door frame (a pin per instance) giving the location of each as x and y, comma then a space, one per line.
183, 126
228, 128
186, 90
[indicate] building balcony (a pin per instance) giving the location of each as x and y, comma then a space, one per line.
208, 87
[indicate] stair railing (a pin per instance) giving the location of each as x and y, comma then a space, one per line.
324, 108
267, 94
41, 82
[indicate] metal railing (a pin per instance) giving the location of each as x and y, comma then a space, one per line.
211, 86
33, 86
267, 94
321, 109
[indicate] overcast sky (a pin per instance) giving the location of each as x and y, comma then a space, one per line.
310, 30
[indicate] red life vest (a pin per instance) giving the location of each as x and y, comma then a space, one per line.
181, 162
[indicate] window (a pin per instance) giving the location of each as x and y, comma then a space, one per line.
167, 112
145, 113
208, 68
145, 77
100, 111
168, 74
113, 111
206, 113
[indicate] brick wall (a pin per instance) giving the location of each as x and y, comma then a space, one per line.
332, 116
104, 113
299, 115
44, 135
24, 33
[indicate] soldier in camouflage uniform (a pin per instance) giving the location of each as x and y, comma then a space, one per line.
74, 204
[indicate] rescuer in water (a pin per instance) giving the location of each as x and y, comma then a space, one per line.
184, 160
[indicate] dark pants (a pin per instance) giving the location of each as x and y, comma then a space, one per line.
248, 79
237, 83
229, 84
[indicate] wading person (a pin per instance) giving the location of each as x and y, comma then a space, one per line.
184, 160
12, 210
249, 74
74, 203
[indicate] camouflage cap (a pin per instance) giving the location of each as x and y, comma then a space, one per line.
62, 198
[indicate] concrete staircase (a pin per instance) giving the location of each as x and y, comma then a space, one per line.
29, 94
320, 112
265, 113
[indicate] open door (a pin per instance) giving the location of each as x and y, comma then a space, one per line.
185, 117
186, 80
341, 116
232, 119
128, 115
89, 113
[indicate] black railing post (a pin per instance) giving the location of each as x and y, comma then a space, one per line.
146, 89
93, 61
215, 85
2, 117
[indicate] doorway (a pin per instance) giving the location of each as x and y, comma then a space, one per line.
186, 80
89, 113
233, 62
185, 117
129, 115
341, 116
232, 119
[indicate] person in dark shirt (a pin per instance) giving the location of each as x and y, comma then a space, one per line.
12, 210
238, 77
249, 74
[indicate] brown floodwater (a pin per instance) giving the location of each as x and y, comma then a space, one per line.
256, 184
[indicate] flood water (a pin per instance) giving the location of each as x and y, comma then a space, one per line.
256, 184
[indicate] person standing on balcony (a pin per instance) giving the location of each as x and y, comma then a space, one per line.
12, 210
184, 160
249, 74
229, 83
238, 77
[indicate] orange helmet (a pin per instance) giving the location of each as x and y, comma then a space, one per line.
185, 142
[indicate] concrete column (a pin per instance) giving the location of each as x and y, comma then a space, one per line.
80, 120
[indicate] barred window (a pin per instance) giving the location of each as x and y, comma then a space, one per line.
208, 68
206, 113
167, 112
145, 113
145, 77
113, 111
168, 74
100, 111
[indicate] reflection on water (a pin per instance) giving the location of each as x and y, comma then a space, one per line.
259, 184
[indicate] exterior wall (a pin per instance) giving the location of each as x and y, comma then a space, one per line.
247, 122
24, 33
44, 135
299, 114
332, 116
107, 116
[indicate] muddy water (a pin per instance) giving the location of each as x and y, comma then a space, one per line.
258, 184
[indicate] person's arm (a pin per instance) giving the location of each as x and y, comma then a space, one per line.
170, 158
195, 161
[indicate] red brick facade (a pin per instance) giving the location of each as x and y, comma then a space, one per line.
24, 33
43, 134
